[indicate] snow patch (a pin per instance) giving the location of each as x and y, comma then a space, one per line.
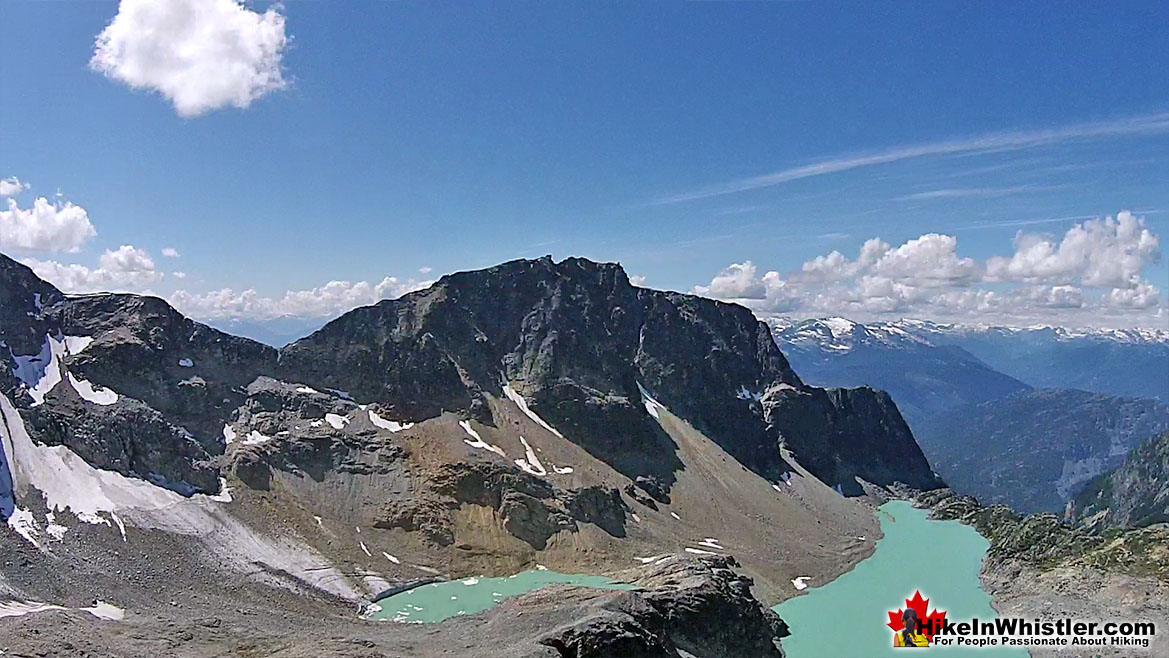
306, 389
228, 434
652, 406
364, 549
41, 372
523, 405
391, 425
675, 515
99, 609
54, 529
531, 464
562, 470
336, 421
711, 542
801, 583
698, 551
25, 525
745, 394
391, 558
224, 495
254, 438
186, 363
91, 393
479, 442
77, 344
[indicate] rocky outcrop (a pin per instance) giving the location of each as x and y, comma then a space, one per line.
530, 508
698, 606
582, 345
842, 434
1135, 494
129, 437
145, 349
1044, 542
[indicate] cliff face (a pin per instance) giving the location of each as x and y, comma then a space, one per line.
1046, 444
125, 381
583, 347
1134, 495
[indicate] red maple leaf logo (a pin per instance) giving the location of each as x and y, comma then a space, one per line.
919, 606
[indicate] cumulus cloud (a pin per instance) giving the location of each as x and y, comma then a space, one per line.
44, 226
170, 252
1101, 252
126, 268
12, 186
201, 55
333, 298
736, 281
637, 280
1090, 274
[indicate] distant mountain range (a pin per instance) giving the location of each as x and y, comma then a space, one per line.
1023, 416
1125, 362
276, 332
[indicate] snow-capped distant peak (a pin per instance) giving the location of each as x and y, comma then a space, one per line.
838, 334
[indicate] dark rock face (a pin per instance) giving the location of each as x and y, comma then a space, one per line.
128, 437
845, 432
23, 295
177, 380
576, 340
1136, 494
139, 343
296, 439
601, 506
698, 606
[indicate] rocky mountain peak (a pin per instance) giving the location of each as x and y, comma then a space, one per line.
583, 348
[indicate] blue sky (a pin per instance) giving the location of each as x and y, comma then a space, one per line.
414, 135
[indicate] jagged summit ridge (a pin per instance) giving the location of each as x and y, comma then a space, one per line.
579, 342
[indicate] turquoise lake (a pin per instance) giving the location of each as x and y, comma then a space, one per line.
847, 617
439, 601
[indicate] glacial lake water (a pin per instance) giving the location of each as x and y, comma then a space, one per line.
848, 616
438, 601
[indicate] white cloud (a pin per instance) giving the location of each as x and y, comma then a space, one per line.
637, 280
736, 281
179, 275
424, 270
170, 252
1090, 275
124, 269
1099, 252
201, 55
44, 226
333, 298
12, 186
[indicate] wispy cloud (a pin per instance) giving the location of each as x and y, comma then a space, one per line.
967, 192
1151, 124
